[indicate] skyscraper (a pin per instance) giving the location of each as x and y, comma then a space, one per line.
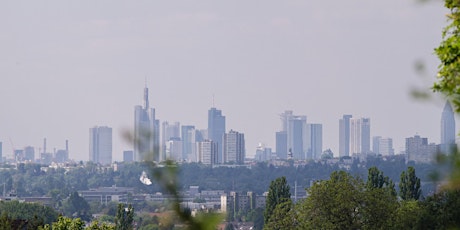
344, 136
296, 136
447, 125
188, 136
100, 145
206, 152
234, 147
360, 139
146, 132
281, 145
169, 131
382, 146
314, 141
216, 130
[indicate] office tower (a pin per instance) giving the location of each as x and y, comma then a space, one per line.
314, 141
174, 149
360, 138
447, 125
1, 152
233, 147
376, 144
296, 136
188, 136
206, 152
216, 130
344, 136
169, 131
263, 153
146, 132
100, 145
418, 149
281, 145
128, 156
386, 147
285, 118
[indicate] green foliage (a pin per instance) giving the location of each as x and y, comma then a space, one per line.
77, 206
282, 217
409, 185
125, 217
448, 53
33, 213
278, 192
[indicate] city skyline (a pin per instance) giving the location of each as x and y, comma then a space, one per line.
80, 65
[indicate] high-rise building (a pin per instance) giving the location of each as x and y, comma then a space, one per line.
100, 145
169, 131
188, 136
360, 139
1, 152
281, 145
174, 149
296, 136
314, 141
146, 132
382, 146
234, 147
344, 136
206, 152
216, 130
448, 125
418, 149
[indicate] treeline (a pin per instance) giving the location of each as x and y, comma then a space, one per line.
32, 180
348, 202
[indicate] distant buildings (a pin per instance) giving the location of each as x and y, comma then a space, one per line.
216, 130
188, 136
298, 140
382, 146
281, 144
447, 129
206, 152
360, 136
314, 141
418, 149
233, 147
146, 132
100, 145
169, 131
344, 136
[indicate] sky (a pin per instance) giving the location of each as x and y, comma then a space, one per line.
66, 66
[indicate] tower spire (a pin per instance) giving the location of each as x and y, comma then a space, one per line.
146, 95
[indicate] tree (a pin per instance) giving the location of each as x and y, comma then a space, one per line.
282, 217
333, 204
409, 186
77, 206
278, 192
124, 218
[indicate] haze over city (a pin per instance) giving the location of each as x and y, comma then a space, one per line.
66, 67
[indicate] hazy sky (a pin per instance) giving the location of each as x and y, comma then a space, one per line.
66, 66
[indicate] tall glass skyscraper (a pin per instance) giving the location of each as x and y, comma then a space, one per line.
146, 132
447, 125
100, 145
344, 136
216, 130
